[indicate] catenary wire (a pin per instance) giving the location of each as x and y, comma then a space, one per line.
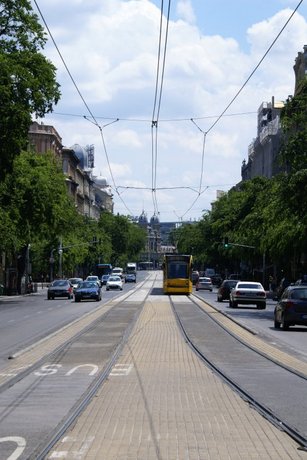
93, 120
243, 86
195, 118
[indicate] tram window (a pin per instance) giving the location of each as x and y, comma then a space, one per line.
177, 270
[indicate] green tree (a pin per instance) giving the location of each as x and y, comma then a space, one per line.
36, 208
27, 78
294, 126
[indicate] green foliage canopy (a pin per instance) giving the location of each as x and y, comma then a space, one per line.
27, 78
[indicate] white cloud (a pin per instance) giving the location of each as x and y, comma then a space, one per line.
185, 11
111, 49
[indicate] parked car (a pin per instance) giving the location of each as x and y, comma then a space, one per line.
224, 289
248, 292
104, 279
75, 281
94, 278
204, 283
114, 282
130, 278
87, 290
60, 288
291, 309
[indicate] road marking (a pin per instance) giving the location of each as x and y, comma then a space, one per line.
21, 444
14, 372
48, 369
121, 370
93, 372
78, 455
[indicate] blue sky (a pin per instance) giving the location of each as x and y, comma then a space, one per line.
110, 48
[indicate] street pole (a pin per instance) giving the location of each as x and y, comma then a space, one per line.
51, 261
27, 272
60, 259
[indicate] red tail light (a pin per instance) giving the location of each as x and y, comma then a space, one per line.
289, 304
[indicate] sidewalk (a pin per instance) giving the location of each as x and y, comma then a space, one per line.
161, 402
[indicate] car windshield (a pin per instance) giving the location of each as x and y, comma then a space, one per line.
114, 278
60, 283
204, 280
92, 278
88, 284
230, 283
249, 286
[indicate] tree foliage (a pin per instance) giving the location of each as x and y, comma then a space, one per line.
27, 79
294, 125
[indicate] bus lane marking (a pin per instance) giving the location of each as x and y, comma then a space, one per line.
21, 444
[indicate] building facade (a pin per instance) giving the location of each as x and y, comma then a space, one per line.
91, 195
264, 151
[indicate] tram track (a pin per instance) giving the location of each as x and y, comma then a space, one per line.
221, 347
21, 362
114, 325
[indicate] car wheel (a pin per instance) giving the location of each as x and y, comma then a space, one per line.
107, 289
196, 289
234, 304
77, 299
218, 299
276, 324
284, 324
230, 304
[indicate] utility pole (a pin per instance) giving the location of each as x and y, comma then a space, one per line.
27, 268
60, 259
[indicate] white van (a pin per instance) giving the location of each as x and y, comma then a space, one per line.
118, 271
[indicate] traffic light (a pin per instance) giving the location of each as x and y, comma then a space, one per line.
226, 242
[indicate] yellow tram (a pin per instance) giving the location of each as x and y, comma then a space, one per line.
177, 274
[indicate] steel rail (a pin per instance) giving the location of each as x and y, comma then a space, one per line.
57, 434
263, 410
25, 372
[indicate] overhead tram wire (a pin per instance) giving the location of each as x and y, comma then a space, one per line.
93, 120
242, 87
157, 104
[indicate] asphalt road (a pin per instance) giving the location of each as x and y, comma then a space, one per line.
26, 319
294, 341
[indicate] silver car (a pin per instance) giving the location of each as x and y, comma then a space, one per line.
204, 283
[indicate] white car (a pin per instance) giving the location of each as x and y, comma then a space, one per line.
75, 282
118, 271
114, 282
94, 278
248, 292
